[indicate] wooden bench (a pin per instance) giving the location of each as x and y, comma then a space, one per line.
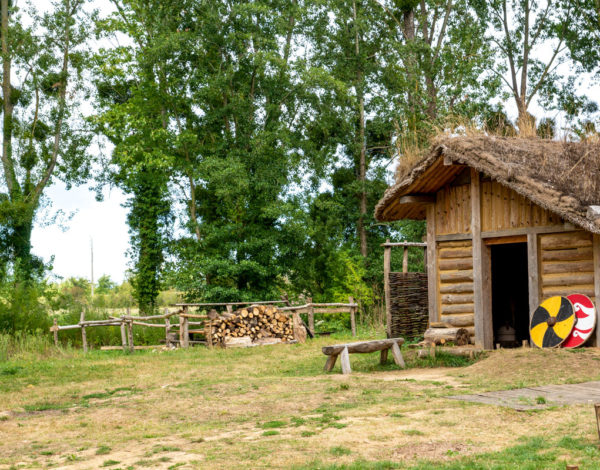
383, 345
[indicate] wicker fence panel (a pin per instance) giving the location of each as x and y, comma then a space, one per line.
409, 304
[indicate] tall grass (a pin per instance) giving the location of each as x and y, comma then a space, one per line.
22, 345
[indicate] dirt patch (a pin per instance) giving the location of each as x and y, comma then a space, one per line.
432, 451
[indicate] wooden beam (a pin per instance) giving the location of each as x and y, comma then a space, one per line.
566, 227
432, 272
533, 268
417, 199
481, 266
392, 244
452, 237
387, 260
596, 249
505, 240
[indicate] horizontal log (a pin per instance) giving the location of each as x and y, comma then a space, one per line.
456, 288
445, 253
115, 348
460, 351
566, 240
459, 320
568, 290
457, 308
437, 335
568, 267
151, 325
192, 315
458, 276
568, 279
457, 299
577, 254
393, 244
332, 310
453, 242
455, 264
223, 304
362, 346
68, 327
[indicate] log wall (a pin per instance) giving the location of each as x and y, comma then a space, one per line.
455, 282
566, 264
503, 209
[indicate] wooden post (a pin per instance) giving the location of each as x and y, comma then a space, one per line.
83, 333
405, 260
425, 258
597, 410
130, 335
345, 361
123, 335
481, 277
596, 252
55, 331
398, 359
168, 332
533, 273
432, 272
208, 334
352, 316
387, 261
311, 316
330, 362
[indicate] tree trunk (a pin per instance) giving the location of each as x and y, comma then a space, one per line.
362, 161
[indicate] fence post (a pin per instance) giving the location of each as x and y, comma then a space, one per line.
184, 336
55, 331
229, 308
123, 335
167, 330
311, 316
387, 261
83, 333
352, 316
130, 335
405, 260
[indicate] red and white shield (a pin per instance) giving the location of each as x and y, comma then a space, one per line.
585, 313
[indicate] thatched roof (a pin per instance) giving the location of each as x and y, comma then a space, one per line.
562, 177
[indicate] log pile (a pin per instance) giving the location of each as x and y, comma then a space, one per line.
255, 322
440, 336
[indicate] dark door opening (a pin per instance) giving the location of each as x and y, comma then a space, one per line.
510, 294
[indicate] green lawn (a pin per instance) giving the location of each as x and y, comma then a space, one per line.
274, 407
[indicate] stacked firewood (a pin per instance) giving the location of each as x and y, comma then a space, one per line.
256, 322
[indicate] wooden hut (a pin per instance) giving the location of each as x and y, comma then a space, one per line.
510, 222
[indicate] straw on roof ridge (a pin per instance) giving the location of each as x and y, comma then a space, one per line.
563, 177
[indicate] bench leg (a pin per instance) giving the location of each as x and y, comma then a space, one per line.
398, 359
330, 362
384, 356
345, 360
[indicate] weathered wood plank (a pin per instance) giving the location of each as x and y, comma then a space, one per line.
398, 359
432, 285
567, 279
458, 308
560, 241
345, 361
458, 276
454, 264
330, 362
567, 267
459, 299
459, 320
571, 254
455, 253
533, 272
362, 346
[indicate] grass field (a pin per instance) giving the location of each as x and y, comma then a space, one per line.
273, 407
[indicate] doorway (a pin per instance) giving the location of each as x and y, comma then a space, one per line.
510, 294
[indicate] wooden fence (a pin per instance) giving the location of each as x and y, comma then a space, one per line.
199, 323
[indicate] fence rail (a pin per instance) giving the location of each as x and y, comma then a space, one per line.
127, 322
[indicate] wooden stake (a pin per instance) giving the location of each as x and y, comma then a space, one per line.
345, 361
352, 316
168, 332
597, 409
405, 260
311, 316
123, 336
387, 257
398, 359
55, 331
130, 335
83, 333
330, 362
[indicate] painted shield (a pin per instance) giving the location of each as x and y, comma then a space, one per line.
585, 312
552, 322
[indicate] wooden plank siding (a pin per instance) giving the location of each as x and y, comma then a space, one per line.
502, 208
567, 264
453, 210
455, 282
